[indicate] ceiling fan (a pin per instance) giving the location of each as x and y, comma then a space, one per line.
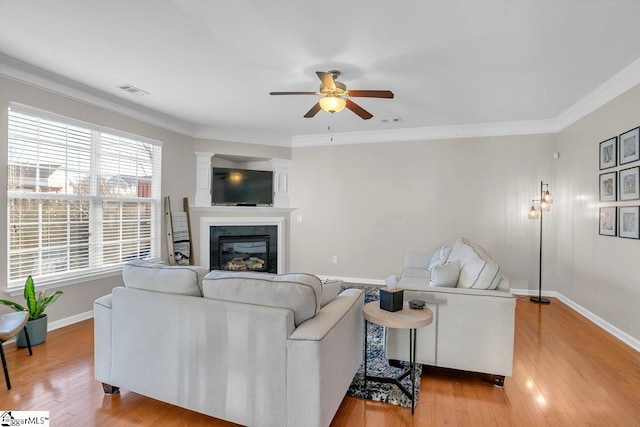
335, 96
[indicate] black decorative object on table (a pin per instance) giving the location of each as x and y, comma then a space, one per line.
391, 300
416, 304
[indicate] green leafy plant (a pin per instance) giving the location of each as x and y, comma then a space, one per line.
35, 305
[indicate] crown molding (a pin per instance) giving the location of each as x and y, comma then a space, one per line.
612, 88
28, 74
246, 137
428, 133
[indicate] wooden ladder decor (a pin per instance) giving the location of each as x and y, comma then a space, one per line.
179, 245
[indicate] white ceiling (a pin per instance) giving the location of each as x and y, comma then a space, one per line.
210, 65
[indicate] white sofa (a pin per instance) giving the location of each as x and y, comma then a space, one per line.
474, 312
251, 348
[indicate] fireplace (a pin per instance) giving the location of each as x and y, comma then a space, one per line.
244, 248
243, 253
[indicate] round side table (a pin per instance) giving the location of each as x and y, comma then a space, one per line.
403, 319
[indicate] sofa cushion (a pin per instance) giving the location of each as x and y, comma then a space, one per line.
330, 290
477, 269
301, 293
173, 279
445, 275
417, 273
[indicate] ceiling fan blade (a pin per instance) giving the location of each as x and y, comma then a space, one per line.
358, 110
371, 93
326, 79
313, 111
293, 93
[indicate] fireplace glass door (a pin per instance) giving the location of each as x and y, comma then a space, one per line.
244, 253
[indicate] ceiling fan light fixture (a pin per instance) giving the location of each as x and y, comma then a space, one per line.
332, 104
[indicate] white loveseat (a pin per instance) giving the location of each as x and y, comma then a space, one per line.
474, 312
251, 348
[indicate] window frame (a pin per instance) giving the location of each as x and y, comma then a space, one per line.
72, 277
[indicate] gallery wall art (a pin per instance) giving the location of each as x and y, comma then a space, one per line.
620, 184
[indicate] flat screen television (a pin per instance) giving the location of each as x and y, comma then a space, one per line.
241, 187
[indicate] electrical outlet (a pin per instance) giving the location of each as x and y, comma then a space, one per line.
335, 259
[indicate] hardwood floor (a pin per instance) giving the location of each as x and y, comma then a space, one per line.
567, 372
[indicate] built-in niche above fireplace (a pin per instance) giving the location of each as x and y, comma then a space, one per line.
244, 248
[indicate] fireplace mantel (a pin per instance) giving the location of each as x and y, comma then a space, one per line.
240, 209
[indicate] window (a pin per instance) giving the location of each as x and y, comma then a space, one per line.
82, 199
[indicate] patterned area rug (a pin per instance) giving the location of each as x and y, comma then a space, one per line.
378, 366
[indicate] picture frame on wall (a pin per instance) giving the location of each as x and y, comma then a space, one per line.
628, 217
608, 218
608, 155
629, 183
608, 184
629, 146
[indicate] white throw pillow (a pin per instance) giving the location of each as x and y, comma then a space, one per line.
445, 275
477, 269
462, 251
439, 256
173, 279
490, 275
470, 272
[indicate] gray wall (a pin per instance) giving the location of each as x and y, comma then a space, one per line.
600, 273
370, 203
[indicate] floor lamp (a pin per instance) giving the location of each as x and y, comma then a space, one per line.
544, 203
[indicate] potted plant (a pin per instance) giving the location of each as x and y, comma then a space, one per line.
37, 324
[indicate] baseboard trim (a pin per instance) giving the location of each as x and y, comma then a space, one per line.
76, 318
52, 326
621, 335
534, 293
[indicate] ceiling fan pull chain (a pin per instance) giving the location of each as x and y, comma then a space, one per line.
329, 128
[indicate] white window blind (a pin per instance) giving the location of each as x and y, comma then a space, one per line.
81, 199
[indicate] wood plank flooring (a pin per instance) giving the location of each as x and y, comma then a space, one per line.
567, 372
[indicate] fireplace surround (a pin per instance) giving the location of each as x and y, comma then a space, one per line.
243, 226
243, 248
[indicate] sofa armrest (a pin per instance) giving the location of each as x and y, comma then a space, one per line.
316, 328
324, 354
413, 259
473, 330
102, 327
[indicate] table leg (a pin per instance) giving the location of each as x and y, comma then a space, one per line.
365, 356
397, 380
412, 365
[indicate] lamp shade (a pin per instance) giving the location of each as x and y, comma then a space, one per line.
544, 205
533, 213
332, 104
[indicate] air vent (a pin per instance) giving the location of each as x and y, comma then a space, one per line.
391, 120
133, 90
